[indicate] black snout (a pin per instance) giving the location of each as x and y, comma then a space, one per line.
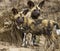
35, 14
20, 20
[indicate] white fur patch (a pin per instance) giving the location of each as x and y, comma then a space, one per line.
58, 31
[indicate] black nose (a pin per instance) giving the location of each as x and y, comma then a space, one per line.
35, 14
20, 20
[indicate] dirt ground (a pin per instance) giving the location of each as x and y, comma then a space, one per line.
5, 46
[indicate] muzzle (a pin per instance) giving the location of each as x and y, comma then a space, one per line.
35, 14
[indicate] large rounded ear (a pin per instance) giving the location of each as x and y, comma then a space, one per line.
30, 4
25, 11
41, 4
56, 24
14, 10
